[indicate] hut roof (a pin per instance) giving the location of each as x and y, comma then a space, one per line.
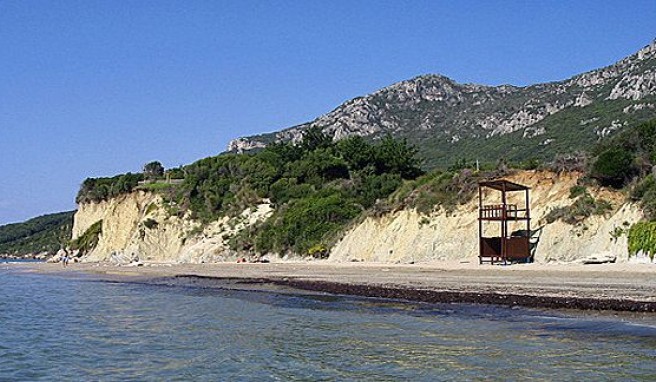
502, 184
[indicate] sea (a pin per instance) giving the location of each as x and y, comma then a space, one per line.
78, 328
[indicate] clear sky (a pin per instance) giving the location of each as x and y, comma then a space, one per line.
97, 88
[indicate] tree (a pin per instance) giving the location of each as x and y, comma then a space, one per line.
613, 167
398, 157
356, 152
153, 170
314, 138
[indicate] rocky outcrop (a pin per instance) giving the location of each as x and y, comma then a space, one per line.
407, 236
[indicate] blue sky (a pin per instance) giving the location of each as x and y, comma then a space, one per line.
97, 88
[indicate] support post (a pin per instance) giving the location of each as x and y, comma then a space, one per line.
480, 224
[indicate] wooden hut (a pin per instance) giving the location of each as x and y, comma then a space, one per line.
509, 246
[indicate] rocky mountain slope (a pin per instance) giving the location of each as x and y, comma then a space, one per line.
450, 121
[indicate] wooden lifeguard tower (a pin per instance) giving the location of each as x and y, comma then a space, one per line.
509, 246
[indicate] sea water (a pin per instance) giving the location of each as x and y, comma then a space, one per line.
76, 328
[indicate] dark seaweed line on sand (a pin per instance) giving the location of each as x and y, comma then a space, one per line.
435, 296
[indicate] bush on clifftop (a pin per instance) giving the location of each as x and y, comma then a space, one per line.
317, 187
99, 189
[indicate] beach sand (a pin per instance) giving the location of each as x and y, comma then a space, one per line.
619, 287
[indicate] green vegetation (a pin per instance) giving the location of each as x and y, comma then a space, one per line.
576, 191
645, 193
583, 207
45, 233
317, 188
642, 237
99, 189
438, 189
613, 167
573, 129
627, 161
563, 135
318, 251
153, 178
153, 170
628, 156
156, 187
306, 223
89, 239
150, 223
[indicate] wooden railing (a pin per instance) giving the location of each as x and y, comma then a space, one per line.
167, 181
502, 211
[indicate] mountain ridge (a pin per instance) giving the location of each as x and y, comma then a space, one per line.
445, 118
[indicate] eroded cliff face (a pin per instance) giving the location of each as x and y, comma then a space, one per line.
120, 218
406, 236
137, 227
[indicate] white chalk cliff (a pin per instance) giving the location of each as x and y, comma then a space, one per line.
407, 236
138, 226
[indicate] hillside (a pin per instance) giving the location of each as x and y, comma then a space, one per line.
351, 200
45, 233
344, 199
351, 181
449, 121
308, 192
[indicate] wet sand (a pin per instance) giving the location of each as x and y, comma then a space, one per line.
617, 287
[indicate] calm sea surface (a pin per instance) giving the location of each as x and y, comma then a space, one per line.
64, 328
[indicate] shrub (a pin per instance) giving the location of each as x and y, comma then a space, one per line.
613, 167
576, 191
99, 189
396, 156
582, 208
356, 152
440, 189
152, 207
318, 251
372, 187
530, 164
153, 170
150, 223
89, 239
285, 189
645, 193
569, 162
318, 167
642, 237
305, 222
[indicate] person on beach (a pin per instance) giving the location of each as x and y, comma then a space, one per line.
64, 259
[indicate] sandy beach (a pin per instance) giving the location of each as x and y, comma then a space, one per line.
620, 287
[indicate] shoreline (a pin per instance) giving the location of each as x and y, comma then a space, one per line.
604, 287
